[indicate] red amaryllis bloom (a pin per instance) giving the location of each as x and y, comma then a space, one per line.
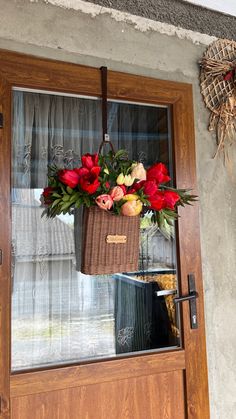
47, 195
89, 160
170, 198
150, 188
157, 201
136, 186
88, 179
68, 177
159, 173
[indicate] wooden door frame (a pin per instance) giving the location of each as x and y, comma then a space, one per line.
31, 72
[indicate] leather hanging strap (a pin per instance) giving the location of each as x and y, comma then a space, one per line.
105, 135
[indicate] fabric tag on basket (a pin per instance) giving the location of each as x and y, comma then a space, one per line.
117, 239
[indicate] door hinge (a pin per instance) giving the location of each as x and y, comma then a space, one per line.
1, 120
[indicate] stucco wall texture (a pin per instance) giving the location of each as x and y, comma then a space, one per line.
178, 13
65, 34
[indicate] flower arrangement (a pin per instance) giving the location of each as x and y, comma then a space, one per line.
116, 184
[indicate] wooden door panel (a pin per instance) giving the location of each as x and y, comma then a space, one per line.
149, 397
68, 377
156, 386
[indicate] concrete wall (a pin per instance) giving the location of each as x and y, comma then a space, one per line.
95, 36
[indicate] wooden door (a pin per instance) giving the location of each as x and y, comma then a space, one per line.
168, 383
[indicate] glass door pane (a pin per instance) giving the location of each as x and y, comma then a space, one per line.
59, 315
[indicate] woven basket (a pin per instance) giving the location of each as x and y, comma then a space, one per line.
110, 243
219, 93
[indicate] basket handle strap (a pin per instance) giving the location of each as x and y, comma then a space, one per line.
105, 135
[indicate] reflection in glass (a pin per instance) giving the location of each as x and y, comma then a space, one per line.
59, 315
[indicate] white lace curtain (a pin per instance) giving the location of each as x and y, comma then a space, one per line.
58, 314
49, 129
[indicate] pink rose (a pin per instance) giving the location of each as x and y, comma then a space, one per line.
104, 201
117, 193
124, 189
132, 208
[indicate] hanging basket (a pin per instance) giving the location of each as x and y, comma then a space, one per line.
110, 243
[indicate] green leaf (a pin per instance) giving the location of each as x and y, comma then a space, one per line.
78, 204
65, 206
121, 154
56, 202
69, 190
66, 198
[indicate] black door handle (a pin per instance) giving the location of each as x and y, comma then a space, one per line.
191, 297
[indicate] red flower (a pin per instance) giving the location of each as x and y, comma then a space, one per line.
150, 188
163, 199
136, 186
68, 177
47, 193
88, 179
157, 201
170, 198
158, 173
89, 160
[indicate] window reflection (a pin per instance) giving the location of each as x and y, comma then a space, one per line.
59, 315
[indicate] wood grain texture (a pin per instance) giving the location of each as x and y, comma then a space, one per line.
38, 73
26, 71
159, 396
5, 246
190, 258
60, 378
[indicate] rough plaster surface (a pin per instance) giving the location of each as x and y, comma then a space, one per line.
178, 13
54, 32
139, 23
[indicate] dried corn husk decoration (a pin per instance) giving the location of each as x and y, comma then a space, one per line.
218, 87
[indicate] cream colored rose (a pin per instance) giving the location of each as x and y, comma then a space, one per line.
139, 172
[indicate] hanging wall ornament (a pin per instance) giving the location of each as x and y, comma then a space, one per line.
218, 88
